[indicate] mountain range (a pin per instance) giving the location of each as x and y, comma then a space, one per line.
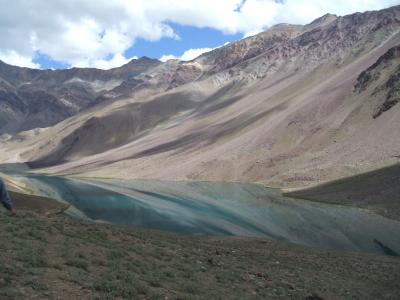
290, 107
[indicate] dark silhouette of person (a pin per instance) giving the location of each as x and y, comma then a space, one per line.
5, 198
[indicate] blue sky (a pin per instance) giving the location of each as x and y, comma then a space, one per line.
190, 38
106, 34
46, 62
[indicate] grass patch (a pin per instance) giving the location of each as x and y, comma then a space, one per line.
117, 254
10, 293
191, 288
76, 259
36, 285
78, 263
33, 258
121, 288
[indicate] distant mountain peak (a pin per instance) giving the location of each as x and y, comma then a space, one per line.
141, 60
323, 20
144, 58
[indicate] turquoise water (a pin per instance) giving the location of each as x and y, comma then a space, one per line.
207, 208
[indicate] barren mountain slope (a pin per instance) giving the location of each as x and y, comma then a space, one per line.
288, 107
31, 98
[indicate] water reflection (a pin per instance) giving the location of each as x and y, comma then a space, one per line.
205, 208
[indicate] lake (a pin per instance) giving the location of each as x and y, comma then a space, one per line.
217, 208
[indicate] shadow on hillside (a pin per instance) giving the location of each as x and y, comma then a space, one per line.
378, 189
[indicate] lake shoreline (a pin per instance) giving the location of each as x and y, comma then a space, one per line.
217, 209
300, 192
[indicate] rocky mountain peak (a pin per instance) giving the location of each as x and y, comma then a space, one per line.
283, 46
325, 19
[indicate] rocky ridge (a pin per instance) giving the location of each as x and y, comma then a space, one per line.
281, 107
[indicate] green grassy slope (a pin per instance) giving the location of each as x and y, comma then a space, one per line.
48, 256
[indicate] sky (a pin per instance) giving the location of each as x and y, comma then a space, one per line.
109, 33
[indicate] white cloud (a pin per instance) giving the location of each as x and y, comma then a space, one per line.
166, 57
87, 32
116, 61
193, 53
190, 54
13, 58
187, 55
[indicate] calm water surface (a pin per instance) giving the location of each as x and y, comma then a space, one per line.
208, 208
